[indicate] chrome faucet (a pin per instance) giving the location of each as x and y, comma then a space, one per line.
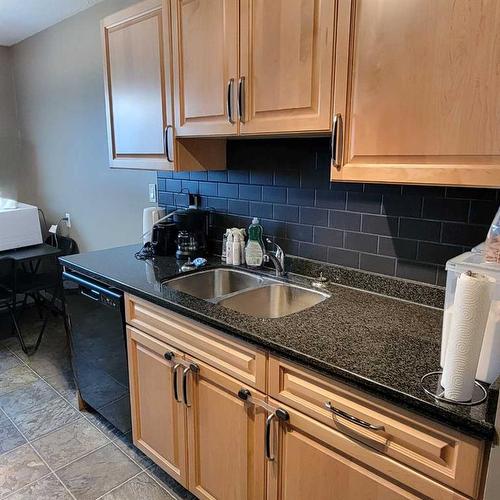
277, 258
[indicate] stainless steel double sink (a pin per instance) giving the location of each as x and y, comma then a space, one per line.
247, 293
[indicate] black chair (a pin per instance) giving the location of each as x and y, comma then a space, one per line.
46, 275
8, 296
41, 282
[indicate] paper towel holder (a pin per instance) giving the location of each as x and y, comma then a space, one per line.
431, 384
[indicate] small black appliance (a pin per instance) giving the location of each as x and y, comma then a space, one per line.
192, 224
163, 238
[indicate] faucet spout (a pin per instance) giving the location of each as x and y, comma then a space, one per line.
277, 258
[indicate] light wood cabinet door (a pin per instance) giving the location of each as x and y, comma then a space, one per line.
417, 89
308, 464
286, 65
137, 82
226, 438
205, 44
158, 419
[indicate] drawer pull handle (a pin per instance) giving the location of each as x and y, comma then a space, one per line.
192, 368
269, 421
175, 382
229, 103
352, 418
167, 151
337, 141
280, 414
241, 99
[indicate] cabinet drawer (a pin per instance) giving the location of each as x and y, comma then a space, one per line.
435, 450
342, 465
242, 361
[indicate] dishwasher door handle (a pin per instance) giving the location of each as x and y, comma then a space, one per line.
90, 285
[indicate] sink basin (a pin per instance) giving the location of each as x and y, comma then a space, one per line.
273, 301
214, 283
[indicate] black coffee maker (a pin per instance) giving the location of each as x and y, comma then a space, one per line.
192, 225
164, 238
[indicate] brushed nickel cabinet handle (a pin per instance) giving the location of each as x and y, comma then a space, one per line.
337, 141
229, 105
167, 150
175, 382
352, 418
281, 415
269, 421
192, 368
241, 99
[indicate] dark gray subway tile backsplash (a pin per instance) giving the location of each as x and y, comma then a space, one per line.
405, 231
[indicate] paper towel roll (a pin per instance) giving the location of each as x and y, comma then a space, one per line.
470, 314
447, 319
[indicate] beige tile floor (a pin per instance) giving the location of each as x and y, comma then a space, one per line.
48, 449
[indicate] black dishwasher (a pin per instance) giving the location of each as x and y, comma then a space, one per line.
98, 347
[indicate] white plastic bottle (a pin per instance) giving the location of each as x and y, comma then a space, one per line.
242, 246
236, 247
229, 247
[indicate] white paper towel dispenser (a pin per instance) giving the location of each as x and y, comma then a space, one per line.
489, 360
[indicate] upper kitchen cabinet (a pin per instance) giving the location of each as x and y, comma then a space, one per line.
416, 92
286, 64
137, 79
205, 45
253, 66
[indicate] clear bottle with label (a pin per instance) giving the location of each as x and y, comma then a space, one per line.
254, 250
492, 244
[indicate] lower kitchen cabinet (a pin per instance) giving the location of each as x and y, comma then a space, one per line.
197, 413
189, 419
158, 417
308, 463
308, 467
226, 438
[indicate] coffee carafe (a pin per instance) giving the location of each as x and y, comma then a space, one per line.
192, 224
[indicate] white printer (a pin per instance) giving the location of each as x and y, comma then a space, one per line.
19, 226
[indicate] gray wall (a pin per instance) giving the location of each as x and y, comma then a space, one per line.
60, 95
9, 134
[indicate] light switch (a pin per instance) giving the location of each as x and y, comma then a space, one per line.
152, 193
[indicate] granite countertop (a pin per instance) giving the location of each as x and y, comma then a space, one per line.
377, 343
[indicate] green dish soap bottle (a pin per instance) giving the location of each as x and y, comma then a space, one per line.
254, 250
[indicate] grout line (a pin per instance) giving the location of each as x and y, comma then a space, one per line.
158, 482
41, 458
120, 485
130, 458
80, 457
53, 472
29, 484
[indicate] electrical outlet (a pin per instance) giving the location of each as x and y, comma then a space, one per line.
194, 200
152, 193
68, 219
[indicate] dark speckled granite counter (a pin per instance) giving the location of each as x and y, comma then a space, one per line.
378, 343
